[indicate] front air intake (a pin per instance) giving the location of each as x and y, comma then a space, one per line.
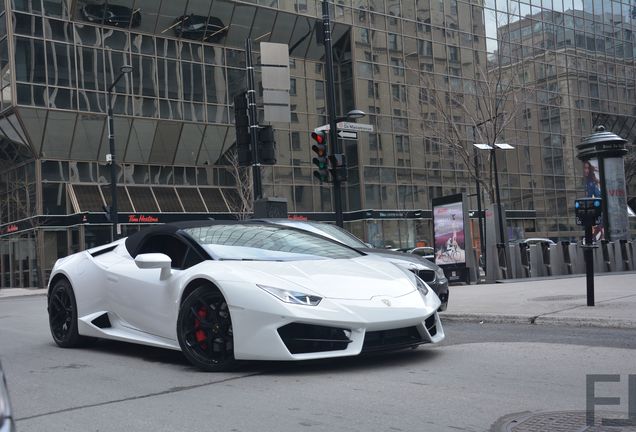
308, 338
430, 323
391, 339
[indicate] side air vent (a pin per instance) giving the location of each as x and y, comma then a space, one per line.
103, 251
102, 321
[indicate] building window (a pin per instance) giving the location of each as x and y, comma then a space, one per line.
295, 140
373, 89
375, 142
292, 86
425, 48
397, 66
393, 41
320, 90
453, 53
398, 92
364, 35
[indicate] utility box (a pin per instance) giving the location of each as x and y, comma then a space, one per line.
270, 207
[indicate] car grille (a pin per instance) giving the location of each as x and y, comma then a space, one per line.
430, 325
426, 275
391, 339
308, 338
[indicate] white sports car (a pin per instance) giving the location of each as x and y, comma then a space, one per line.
226, 291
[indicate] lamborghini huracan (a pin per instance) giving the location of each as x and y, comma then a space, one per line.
227, 291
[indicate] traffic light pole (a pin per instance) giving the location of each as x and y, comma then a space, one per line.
253, 125
331, 110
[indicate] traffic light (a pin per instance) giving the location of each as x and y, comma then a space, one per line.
338, 165
241, 124
266, 146
320, 148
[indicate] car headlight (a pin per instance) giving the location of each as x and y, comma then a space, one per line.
440, 273
291, 296
415, 280
421, 286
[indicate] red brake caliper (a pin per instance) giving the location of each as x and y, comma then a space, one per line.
199, 334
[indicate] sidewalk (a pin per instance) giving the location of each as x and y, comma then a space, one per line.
557, 301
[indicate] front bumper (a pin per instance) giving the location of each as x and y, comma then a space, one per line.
334, 328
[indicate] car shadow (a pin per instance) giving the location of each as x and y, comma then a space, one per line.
142, 352
363, 362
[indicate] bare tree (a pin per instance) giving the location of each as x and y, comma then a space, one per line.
241, 204
477, 105
20, 204
457, 120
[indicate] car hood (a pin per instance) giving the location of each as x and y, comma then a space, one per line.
355, 279
401, 258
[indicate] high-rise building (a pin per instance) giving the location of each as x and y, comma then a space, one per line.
420, 69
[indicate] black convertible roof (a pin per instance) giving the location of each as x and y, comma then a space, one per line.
136, 240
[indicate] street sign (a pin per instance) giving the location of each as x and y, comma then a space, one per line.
322, 128
360, 127
347, 134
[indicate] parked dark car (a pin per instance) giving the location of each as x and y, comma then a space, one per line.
198, 27
119, 16
428, 271
6, 417
423, 251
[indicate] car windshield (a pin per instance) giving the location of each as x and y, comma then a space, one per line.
266, 243
340, 234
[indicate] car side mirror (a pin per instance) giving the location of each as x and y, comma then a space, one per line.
153, 261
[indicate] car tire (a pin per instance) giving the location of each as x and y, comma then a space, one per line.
204, 330
62, 309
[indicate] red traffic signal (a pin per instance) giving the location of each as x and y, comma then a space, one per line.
319, 136
320, 149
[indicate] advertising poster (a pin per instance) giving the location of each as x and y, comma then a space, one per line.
449, 231
592, 184
616, 194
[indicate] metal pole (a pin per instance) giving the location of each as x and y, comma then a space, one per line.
589, 264
482, 246
113, 168
331, 110
482, 236
253, 126
501, 245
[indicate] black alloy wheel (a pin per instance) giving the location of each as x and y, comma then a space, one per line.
204, 330
62, 310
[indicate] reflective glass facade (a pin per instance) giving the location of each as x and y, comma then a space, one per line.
434, 77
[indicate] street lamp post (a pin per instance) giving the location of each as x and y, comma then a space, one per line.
110, 158
493, 154
334, 148
482, 235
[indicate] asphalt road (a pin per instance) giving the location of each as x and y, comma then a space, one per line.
479, 375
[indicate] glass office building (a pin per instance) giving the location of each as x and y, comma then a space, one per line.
571, 60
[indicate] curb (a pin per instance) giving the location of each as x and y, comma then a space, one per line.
21, 293
539, 320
